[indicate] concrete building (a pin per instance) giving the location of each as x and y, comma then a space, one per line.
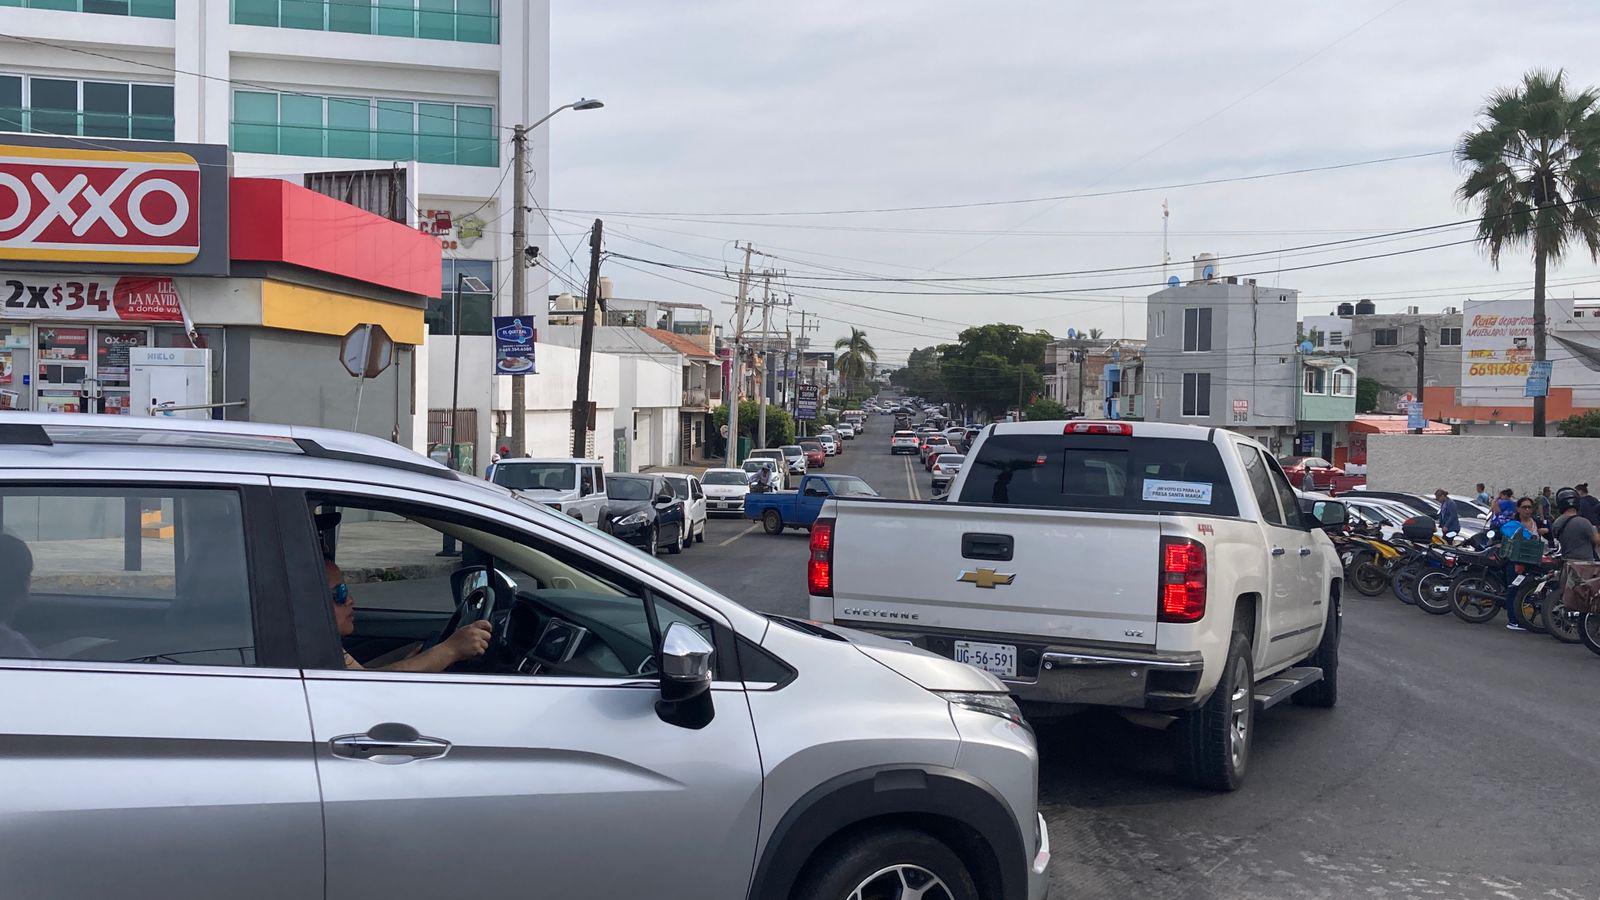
1222, 352
316, 86
1385, 346
1105, 392
645, 421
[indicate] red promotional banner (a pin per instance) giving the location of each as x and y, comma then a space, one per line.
105, 298
79, 205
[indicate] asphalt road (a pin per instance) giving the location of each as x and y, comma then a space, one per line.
1461, 761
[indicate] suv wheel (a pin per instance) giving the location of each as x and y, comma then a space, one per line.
1324, 693
893, 864
1214, 741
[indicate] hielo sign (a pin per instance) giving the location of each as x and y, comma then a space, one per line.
158, 207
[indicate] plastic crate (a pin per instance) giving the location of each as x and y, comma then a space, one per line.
1525, 550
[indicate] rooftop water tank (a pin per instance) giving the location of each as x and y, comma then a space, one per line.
1366, 308
1205, 267
1346, 309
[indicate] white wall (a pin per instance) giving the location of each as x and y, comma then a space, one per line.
1423, 462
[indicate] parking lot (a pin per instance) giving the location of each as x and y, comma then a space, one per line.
1459, 761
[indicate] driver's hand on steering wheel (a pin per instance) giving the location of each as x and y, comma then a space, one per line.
468, 641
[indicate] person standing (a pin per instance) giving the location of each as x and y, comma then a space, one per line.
1483, 495
1544, 505
1523, 527
1588, 506
1449, 513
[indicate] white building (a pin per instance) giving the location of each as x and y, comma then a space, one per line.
303, 86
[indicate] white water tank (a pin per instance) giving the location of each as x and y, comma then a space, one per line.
565, 302
1205, 267
605, 288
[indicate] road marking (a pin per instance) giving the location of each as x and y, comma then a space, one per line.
737, 536
911, 483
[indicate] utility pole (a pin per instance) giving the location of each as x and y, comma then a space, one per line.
580, 406
736, 389
519, 283
766, 345
1422, 344
1083, 360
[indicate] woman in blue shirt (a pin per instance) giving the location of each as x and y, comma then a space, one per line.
1524, 526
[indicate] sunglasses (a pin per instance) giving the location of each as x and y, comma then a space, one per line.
340, 595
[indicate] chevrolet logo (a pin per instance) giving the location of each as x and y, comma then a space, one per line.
986, 578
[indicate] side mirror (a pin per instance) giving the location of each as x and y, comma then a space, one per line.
1329, 512
467, 579
663, 499
685, 678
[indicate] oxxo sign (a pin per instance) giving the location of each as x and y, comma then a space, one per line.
140, 207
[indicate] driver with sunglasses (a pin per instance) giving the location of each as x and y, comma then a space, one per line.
468, 641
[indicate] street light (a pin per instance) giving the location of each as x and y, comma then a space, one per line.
519, 291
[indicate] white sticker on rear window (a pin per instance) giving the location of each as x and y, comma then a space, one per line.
1195, 492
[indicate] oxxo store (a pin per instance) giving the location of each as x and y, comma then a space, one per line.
126, 244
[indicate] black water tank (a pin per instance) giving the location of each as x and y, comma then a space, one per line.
1366, 308
1346, 309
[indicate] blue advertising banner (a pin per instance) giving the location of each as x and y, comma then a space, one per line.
514, 339
1414, 419
805, 402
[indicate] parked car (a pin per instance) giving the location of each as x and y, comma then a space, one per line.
1322, 471
576, 487
725, 490
945, 468
847, 431
903, 442
830, 443
688, 489
754, 464
798, 509
643, 510
816, 454
795, 457
1140, 565
239, 754
772, 453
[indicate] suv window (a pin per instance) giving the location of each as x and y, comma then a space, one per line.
1255, 470
141, 575
1286, 495
586, 480
531, 476
1108, 472
559, 613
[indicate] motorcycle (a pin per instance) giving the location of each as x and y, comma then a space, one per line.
1371, 564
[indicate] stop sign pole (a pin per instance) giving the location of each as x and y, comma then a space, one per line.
366, 351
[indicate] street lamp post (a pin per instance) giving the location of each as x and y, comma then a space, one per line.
478, 287
519, 244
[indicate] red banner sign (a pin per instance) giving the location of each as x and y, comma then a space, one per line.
78, 205
104, 299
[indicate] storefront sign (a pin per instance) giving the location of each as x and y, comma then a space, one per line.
88, 298
1241, 411
159, 206
514, 342
805, 402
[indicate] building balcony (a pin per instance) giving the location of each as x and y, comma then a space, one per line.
696, 398
148, 9
363, 143
1327, 407
465, 21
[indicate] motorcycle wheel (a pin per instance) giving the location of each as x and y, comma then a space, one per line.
1531, 610
1589, 631
1561, 622
1476, 597
1433, 593
1404, 584
1368, 577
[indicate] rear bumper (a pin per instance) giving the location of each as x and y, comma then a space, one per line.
1065, 676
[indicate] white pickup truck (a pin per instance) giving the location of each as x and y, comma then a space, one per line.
1141, 566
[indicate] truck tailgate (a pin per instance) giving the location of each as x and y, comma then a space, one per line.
968, 568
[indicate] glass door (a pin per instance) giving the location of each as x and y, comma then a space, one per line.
111, 349
64, 362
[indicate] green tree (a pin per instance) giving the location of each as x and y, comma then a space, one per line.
1367, 390
855, 359
1044, 409
1533, 169
1584, 426
994, 367
780, 425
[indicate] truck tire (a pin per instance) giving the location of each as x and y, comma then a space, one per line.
772, 521
1325, 693
892, 862
1214, 740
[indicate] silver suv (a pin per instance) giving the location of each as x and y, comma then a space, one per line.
236, 665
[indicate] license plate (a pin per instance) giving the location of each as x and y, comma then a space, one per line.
996, 659
1517, 580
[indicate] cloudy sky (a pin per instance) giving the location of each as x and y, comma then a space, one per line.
719, 110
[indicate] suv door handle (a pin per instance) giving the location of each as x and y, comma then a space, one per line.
1305, 551
389, 744
1277, 551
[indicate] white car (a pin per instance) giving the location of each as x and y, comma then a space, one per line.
576, 487
756, 463
904, 442
725, 490
694, 506
830, 443
847, 431
794, 456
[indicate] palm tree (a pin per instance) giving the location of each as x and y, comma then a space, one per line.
855, 354
1533, 168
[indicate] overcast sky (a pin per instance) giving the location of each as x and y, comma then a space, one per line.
715, 107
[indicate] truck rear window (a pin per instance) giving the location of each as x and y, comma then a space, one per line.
1109, 472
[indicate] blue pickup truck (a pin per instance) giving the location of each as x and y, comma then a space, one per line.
777, 510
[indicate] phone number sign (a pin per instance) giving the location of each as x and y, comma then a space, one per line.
106, 299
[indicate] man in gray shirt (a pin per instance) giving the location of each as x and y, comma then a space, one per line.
1576, 535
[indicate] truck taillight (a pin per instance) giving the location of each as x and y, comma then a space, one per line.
1121, 428
819, 568
1183, 580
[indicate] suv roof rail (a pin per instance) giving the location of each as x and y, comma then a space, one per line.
51, 429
